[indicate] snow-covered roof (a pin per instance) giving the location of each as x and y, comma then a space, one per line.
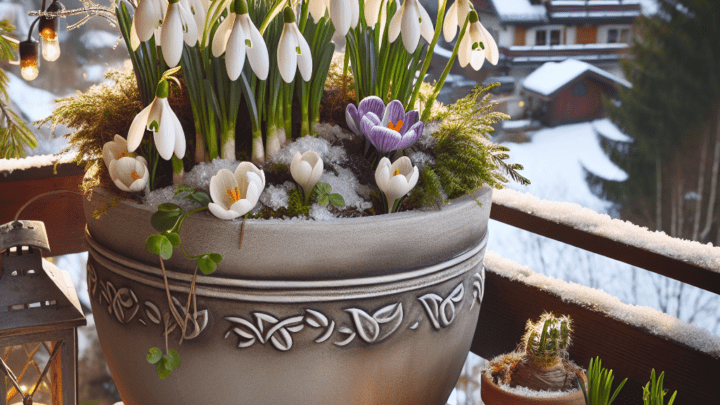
519, 11
607, 129
550, 77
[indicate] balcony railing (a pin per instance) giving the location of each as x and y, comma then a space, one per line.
537, 55
630, 340
595, 11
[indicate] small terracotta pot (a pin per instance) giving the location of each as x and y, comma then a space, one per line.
494, 395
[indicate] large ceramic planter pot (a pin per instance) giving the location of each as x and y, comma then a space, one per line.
373, 310
494, 395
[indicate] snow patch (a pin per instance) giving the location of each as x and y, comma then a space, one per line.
331, 132
200, 175
527, 392
7, 166
607, 129
519, 10
36, 104
276, 197
167, 195
329, 154
652, 320
99, 39
345, 184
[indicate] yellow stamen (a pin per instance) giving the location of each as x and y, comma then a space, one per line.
397, 126
122, 155
397, 173
135, 176
234, 194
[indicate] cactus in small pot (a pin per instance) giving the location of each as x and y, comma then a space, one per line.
541, 362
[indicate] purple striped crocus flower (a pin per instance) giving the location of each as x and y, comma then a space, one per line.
395, 130
354, 115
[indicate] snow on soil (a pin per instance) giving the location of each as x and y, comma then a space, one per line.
555, 161
529, 393
658, 323
551, 76
608, 130
7, 166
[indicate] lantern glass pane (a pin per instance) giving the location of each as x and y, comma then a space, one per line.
27, 361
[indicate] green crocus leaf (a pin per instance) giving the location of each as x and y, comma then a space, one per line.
172, 360
162, 371
323, 199
174, 238
337, 200
207, 265
216, 257
159, 245
165, 220
154, 355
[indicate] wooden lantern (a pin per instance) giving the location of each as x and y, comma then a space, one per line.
39, 316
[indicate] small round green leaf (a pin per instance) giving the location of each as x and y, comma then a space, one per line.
201, 198
154, 355
173, 238
159, 245
172, 360
168, 207
324, 188
162, 372
323, 199
207, 265
165, 220
337, 200
216, 257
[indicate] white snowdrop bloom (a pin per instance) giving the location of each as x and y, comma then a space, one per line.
413, 21
343, 13
116, 150
159, 118
148, 17
178, 26
293, 51
235, 194
129, 174
306, 170
198, 10
477, 45
455, 17
397, 179
372, 12
237, 36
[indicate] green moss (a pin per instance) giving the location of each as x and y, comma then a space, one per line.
295, 208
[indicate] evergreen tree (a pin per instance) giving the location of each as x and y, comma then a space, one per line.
673, 113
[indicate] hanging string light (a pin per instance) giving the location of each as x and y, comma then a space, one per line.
29, 63
50, 44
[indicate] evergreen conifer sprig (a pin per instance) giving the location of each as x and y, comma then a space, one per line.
14, 133
466, 159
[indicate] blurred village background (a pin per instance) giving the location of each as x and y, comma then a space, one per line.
614, 105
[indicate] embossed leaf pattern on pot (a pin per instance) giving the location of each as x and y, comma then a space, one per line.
278, 333
442, 311
478, 287
369, 327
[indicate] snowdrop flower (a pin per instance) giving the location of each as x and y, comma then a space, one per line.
477, 45
455, 18
148, 17
397, 179
306, 170
395, 130
198, 10
293, 51
354, 115
237, 36
129, 174
343, 13
235, 194
413, 21
179, 26
159, 118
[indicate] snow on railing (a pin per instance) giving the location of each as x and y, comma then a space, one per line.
686, 261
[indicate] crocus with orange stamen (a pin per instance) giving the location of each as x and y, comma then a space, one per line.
235, 194
130, 174
396, 130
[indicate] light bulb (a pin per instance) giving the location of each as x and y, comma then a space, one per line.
50, 48
29, 67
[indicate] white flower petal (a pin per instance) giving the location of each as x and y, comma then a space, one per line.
396, 24
180, 142
165, 136
491, 49
235, 53
190, 29
134, 40
242, 207
397, 187
246, 167
222, 34
354, 13
410, 26
304, 60
341, 15
252, 193
221, 212
119, 184
137, 128
451, 22
172, 42
317, 9
465, 50
257, 52
220, 183
426, 28
382, 173
287, 54
146, 19
372, 12
303, 173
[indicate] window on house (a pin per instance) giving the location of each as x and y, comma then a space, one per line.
555, 37
548, 37
617, 35
625, 35
540, 37
580, 90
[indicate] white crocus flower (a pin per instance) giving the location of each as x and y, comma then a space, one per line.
235, 194
237, 36
455, 18
129, 174
178, 26
116, 150
293, 51
159, 118
148, 17
306, 170
397, 179
413, 21
477, 45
